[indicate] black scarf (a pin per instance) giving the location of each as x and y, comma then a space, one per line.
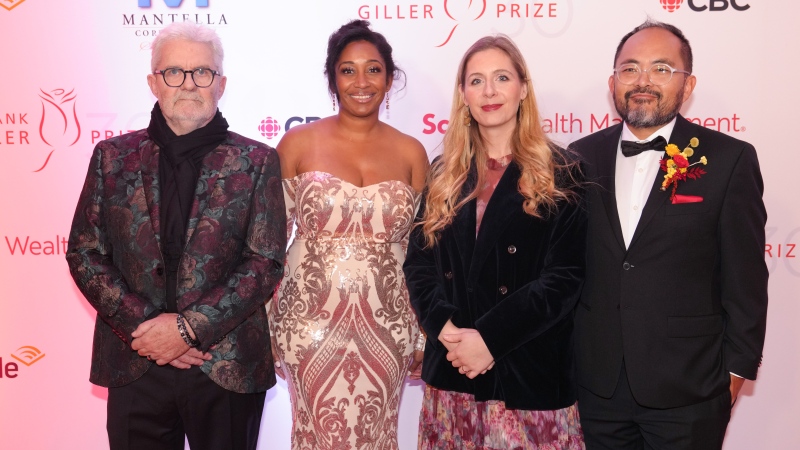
179, 165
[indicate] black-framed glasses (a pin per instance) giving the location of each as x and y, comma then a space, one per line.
174, 77
658, 74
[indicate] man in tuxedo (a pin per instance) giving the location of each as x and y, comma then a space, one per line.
178, 241
672, 317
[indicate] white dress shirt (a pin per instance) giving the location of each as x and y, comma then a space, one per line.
633, 178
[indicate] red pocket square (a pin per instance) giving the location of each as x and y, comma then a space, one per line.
686, 199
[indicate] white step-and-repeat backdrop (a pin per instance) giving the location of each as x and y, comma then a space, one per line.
73, 73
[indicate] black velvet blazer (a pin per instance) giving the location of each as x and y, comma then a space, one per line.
517, 283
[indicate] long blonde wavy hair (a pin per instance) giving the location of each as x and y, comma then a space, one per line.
463, 146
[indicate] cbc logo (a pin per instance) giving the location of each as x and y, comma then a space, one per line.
270, 127
671, 5
703, 5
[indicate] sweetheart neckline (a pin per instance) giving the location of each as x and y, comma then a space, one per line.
353, 184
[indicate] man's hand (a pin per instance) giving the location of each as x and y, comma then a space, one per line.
736, 386
192, 357
159, 340
471, 356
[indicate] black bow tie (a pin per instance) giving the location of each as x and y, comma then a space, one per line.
630, 148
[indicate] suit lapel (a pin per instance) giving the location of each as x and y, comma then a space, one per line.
657, 198
606, 159
464, 222
505, 202
149, 174
216, 166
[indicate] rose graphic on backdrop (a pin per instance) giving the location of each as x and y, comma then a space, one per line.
671, 5
59, 126
461, 11
10, 4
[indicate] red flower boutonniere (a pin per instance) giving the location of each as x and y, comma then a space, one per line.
678, 167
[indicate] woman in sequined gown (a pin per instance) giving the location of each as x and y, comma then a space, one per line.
343, 329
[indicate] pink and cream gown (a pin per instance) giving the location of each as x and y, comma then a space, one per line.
341, 320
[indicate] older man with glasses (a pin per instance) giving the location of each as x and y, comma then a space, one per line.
178, 241
672, 317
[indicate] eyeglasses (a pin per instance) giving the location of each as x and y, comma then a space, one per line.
174, 77
658, 74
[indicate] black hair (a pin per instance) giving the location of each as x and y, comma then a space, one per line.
686, 49
354, 31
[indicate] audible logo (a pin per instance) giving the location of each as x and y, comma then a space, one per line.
27, 355
11, 4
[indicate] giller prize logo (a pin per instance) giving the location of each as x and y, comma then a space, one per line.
454, 15
150, 18
27, 355
704, 5
270, 127
58, 126
781, 249
10, 4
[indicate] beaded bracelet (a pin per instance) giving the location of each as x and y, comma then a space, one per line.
194, 343
419, 343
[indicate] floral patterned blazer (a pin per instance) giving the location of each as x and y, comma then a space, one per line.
232, 262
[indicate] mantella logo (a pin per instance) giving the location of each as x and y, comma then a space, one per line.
703, 5
174, 3
271, 127
26, 354
10, 4
455, 13
148, 25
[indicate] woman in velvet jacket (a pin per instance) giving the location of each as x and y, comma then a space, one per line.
495, 266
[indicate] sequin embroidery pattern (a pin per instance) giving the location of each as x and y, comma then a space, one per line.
341, 320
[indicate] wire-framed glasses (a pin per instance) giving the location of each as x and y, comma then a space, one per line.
658, 74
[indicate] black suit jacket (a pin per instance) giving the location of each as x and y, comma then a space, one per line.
517, 283
686, 303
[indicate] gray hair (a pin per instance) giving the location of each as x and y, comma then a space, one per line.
187, 31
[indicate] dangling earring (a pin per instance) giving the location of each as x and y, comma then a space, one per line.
333, 101
467, 116
387, 101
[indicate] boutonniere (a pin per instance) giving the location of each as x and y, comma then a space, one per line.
678, 167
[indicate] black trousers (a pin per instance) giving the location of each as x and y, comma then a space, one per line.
167, 405
619, 423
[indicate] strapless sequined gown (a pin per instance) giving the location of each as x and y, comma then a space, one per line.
341, 319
